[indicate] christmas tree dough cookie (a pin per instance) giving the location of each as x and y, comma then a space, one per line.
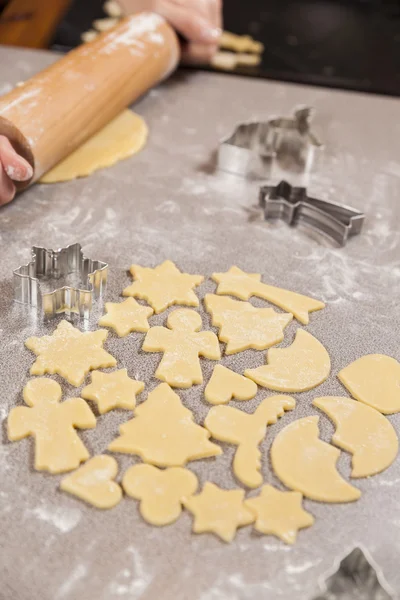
306, 464
127, 316
219, 511
302, 366
112, 390
163, 286
226, 385
236, 282
163, 432
247, 431
70, 353
93, 482
182, 345
279, 513
242, 326
160, 491
58, 447
374, 379
362, 431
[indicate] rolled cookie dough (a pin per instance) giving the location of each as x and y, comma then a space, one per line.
122, 137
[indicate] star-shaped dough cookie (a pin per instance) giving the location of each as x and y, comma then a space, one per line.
113, 390
127, 316
163, 286
218, 511
70, 353
279, 513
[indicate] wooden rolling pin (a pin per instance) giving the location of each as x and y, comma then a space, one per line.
55, 111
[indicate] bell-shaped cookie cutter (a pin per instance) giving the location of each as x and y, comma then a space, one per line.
52, 265
293, 205
254, 147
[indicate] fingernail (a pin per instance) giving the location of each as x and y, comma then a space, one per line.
211, 34
19, 173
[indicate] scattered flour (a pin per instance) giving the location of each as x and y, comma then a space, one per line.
65, 520
77, 574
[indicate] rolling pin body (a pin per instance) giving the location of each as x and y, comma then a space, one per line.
55, 111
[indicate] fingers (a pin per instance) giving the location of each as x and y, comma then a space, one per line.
7, 187
215, 8
189, 21
16, 167
198, 54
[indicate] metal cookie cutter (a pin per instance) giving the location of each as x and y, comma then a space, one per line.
356, 576
50, 265
293, 205
255, 147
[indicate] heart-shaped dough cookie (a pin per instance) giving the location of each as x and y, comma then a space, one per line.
226, 385
93, 482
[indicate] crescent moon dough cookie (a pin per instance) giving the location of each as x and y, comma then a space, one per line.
302, 366
306, 464
375, 380
362, 431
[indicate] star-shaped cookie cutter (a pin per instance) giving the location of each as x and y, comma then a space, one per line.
52, 265
254, 147
293, 205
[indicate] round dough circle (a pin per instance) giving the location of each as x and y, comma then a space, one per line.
124, 136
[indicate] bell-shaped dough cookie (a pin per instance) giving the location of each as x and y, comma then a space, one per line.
163, 286
243, 326
93, 482
160, 492
163, 432
218, 511
226, 385
362, 431
236, 282
375, 380
306, 464
302, 366
279, 513
245, 430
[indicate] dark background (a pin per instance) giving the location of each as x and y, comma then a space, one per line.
353, 44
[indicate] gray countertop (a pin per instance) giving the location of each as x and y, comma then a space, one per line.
165, 204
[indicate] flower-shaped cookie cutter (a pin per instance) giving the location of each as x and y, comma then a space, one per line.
255, 147
48, 265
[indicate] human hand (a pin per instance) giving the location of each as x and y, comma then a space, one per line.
198, 21
12, 168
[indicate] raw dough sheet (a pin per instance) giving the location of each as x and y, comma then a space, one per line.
164, 204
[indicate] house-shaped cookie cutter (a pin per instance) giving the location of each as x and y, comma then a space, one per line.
254, 147
47, 264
